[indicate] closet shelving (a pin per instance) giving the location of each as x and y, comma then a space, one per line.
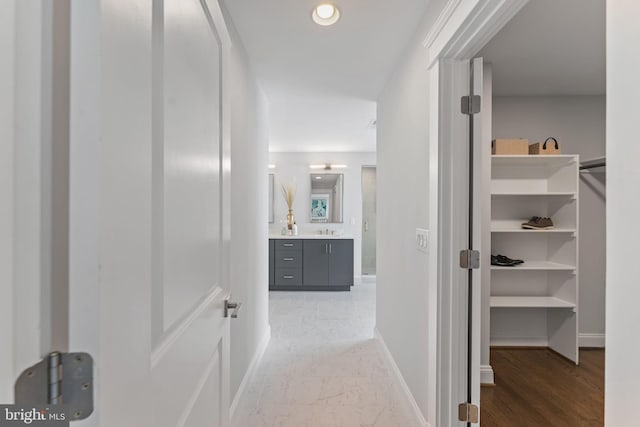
535, 303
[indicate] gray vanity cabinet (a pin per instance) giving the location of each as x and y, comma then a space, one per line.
340, 262
272, 257
328, 264
287, 264
311, 264
316, 263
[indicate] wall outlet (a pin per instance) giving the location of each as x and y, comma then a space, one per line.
422, 240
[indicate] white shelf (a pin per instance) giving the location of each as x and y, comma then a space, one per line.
533, 160
547, 186
533, 194
537, 266
524, 230
530, 302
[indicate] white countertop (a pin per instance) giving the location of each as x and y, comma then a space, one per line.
311, 236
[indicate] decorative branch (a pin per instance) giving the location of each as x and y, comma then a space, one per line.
289, 194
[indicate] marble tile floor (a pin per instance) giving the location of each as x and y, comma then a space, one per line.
322, 367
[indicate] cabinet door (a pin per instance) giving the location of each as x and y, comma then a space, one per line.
315, 263
271, 262
340, 262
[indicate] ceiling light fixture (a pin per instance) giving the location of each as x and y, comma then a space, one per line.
327, 166
325, 14
272, 166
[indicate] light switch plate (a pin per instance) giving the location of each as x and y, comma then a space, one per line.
422, 240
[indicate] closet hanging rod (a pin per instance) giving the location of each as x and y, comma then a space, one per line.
595, 163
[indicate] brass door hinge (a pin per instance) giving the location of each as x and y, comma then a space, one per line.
468, 413
470, 104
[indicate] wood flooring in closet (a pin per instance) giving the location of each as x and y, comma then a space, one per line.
537, 387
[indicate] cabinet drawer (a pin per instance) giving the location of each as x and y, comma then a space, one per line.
288, 245
288, 277
289, 259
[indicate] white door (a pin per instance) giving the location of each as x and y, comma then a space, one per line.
148, 209
476, 147
460, 293
469, 303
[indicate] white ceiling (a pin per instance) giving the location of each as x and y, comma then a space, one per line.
322, 82
552, 47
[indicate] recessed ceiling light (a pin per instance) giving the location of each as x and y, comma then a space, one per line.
325, 14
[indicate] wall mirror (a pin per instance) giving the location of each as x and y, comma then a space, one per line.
326, 197
271, 183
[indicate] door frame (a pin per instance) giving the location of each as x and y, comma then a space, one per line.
362, 168
461, 30
33, 137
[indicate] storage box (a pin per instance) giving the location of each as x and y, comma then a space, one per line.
550, 146
510, 146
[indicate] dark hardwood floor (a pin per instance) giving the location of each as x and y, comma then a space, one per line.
536, 387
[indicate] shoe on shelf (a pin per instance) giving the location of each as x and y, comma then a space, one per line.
538, 223
503, 261
506, 259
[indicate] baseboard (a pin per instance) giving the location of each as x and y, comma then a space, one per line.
584, 340
486, 375
251, 371
591, 340
408, 400
519, 342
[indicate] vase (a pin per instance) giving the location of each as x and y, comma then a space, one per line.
290, 220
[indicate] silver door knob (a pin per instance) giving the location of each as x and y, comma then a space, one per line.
234, 307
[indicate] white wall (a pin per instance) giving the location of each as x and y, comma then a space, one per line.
578, 122
292, 167
249, 220
622, 388
402, 206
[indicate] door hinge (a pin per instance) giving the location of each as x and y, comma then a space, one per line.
468, 413
469, 259
59, 379
470, 104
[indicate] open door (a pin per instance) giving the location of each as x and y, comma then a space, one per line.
474, 317
148, 207
459, 241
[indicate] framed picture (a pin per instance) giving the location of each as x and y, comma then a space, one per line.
319, 207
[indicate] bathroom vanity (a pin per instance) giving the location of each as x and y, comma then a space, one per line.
310, 263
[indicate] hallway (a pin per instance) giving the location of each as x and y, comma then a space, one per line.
322, 367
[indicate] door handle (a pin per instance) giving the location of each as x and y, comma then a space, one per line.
326, 248
287, 259
329, 247
235, 306
287, 245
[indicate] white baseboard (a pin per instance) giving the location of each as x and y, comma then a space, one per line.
486, 375
411, 406
251, 371
591, 340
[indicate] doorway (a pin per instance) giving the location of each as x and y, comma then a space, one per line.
554, 318
369, 221
449, 55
